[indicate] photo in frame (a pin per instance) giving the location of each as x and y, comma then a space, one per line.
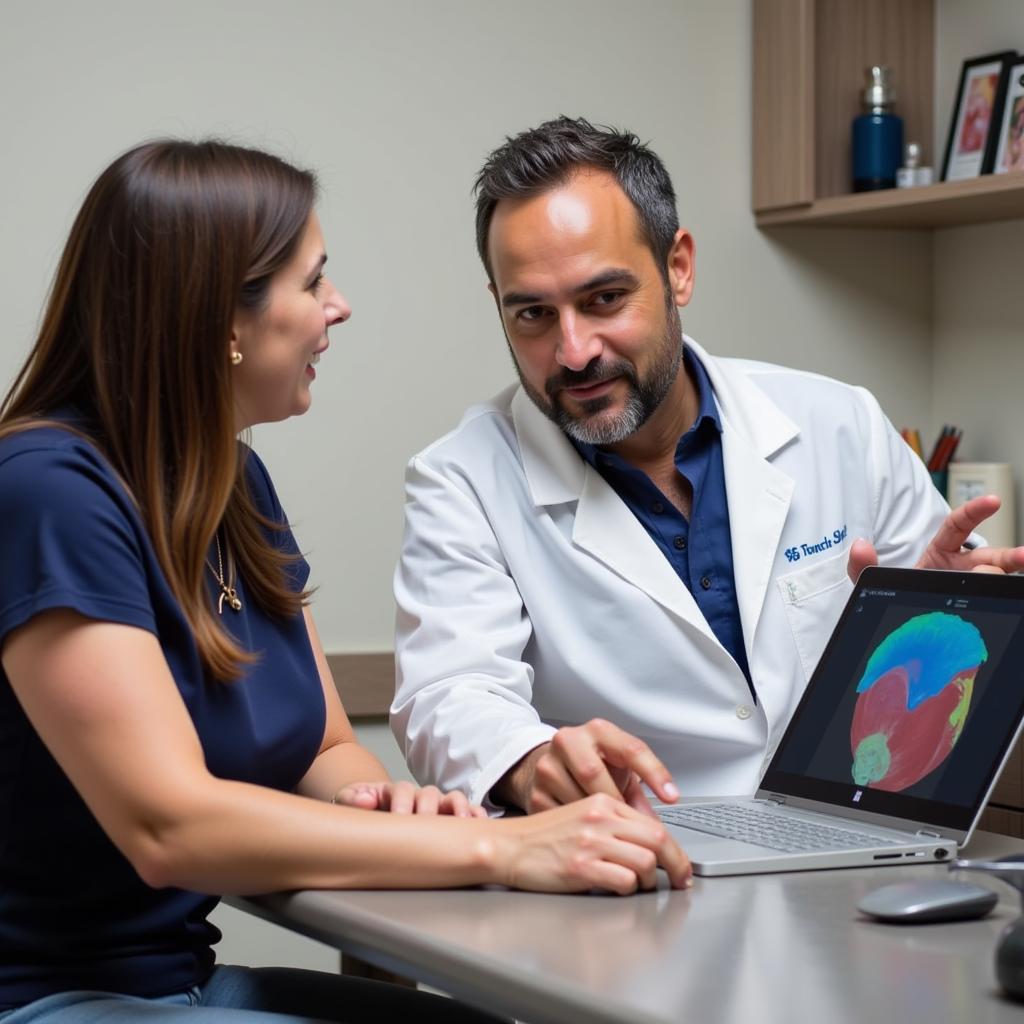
1010, 148
973, 129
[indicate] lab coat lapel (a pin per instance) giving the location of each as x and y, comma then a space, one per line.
604, 526
754, 430
608, 530
759, 498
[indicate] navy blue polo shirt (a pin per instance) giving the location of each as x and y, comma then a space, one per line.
74, 914
700, 551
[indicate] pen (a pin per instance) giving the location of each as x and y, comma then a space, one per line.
950, 450
933, 459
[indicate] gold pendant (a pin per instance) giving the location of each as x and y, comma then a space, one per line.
227, 592
231, 595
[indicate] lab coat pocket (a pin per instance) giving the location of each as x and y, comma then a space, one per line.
813, 599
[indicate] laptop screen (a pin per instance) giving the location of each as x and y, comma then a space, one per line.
915, 701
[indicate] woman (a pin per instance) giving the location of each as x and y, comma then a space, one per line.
169, 728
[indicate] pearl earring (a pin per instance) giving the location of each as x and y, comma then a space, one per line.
236, 358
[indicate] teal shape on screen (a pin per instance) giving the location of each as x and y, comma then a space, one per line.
932, 648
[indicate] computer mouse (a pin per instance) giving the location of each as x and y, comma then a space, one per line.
925, 899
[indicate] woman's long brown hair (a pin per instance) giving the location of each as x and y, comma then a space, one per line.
172, 241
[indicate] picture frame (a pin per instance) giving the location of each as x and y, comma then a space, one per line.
973, 128
1010, 146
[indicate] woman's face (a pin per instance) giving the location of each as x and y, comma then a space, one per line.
281, 343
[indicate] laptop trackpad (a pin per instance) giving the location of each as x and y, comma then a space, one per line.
700, 846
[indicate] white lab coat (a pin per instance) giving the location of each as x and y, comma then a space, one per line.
530, 597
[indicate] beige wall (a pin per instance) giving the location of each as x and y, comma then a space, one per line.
978, 362
395, 103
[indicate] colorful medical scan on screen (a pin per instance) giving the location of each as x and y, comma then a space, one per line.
914, 699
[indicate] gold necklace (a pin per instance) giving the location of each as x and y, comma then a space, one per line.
227, 590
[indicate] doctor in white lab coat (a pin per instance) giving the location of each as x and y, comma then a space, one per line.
531, 600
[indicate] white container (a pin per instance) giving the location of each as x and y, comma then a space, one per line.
969, 480
912, 174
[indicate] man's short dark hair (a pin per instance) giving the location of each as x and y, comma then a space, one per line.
547, 156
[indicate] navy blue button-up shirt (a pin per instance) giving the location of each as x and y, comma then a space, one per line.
700, 551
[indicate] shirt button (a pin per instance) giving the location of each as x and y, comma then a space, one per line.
679, 543
657, 508
743, 712
705, 582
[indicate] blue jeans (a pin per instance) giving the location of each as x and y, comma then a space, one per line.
247, 995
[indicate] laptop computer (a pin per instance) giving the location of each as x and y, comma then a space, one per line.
899, 738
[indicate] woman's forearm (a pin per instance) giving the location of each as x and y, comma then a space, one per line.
240, 838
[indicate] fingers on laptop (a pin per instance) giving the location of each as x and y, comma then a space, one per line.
598, 842
599, 757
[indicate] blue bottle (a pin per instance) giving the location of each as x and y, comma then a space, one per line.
877, 135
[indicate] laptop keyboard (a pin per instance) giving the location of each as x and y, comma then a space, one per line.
753, 824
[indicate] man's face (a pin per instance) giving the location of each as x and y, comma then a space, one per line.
592, 326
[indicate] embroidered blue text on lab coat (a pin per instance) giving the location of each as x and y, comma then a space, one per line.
834, 539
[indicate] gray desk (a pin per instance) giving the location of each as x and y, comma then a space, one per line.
765, 948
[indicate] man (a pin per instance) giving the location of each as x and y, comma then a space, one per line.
641, 534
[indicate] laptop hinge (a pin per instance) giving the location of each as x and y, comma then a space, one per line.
926, 833
774, 798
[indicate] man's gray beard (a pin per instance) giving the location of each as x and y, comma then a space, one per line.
597, 431
643, 398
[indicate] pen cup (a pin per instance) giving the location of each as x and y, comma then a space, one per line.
970, 480
940, 477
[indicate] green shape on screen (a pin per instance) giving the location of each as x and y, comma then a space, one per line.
871, 759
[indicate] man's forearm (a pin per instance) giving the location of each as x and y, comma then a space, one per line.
513, 789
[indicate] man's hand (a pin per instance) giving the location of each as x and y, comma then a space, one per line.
596, 757
946, 550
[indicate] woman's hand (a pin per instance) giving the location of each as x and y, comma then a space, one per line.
406, 798
596, 843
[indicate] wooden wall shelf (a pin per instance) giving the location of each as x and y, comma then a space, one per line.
809, 58
942, 205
